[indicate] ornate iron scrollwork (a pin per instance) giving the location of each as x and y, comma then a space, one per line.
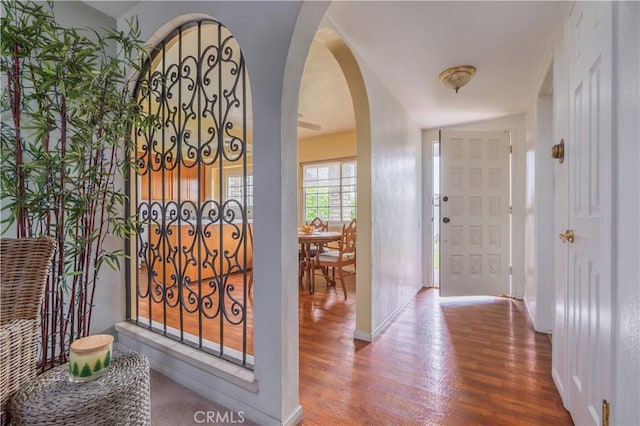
193, 245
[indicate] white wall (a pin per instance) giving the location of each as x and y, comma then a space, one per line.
540, 231
396, 204
110, 300
625, 406
517, 125
79, 15
275, 61
540, 228
389, 154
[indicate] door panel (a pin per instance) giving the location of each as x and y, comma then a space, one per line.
474, 210
589, 37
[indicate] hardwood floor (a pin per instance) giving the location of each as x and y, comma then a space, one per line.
173, 313
442, 361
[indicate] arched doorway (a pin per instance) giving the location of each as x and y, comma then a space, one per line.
356, 84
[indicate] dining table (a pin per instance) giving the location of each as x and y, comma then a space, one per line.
319, 239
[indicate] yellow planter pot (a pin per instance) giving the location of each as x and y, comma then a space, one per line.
90, 357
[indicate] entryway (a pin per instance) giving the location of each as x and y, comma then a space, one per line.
473, 205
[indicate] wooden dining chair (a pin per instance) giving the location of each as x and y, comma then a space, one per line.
249, 262
338, 259
318, 225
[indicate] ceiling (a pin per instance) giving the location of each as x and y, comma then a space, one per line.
408, 44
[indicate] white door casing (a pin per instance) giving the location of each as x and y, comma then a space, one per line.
559, 336
589, 161
474, 213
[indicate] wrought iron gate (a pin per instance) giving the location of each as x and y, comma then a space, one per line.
194, 191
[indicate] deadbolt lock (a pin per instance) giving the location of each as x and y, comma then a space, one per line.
557, 151
568, 236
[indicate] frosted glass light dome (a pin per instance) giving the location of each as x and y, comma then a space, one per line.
458, 76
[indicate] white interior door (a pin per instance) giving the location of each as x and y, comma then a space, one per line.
589, 37
474, 213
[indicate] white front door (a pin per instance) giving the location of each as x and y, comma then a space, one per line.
588, 148
474, 213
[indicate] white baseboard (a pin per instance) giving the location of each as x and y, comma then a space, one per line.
295, 418
379, 329
361, 335
370, 337
559, 386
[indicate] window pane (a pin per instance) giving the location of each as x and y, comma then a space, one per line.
329, 191
235, 189
349, 169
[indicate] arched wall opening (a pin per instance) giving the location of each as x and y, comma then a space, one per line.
330, 39
192, 193
274, 38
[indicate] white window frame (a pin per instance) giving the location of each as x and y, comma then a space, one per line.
228, 191
345, 185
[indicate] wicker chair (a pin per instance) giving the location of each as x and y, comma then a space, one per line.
24, 265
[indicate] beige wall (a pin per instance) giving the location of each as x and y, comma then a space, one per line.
326, 147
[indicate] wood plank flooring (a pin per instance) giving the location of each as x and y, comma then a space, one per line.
442, 361
168, 310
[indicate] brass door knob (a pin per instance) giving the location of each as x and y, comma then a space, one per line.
568, 236
557, 151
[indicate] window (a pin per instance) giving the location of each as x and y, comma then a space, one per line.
329, 190
234, 189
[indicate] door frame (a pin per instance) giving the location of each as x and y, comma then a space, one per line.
511, 183
517, 126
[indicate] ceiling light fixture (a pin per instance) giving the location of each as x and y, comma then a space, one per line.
458, 76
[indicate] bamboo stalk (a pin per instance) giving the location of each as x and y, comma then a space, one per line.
98, 246
66, 312
22, 224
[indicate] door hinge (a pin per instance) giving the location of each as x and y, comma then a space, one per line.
510, 149
510, 209
510, 270
605, 412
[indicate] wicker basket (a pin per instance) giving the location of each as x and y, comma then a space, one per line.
24, 264
121, 397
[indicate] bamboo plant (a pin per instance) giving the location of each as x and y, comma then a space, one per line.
67, 113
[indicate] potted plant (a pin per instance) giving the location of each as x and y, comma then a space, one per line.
67, 113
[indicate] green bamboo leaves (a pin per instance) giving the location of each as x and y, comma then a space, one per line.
67, 114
